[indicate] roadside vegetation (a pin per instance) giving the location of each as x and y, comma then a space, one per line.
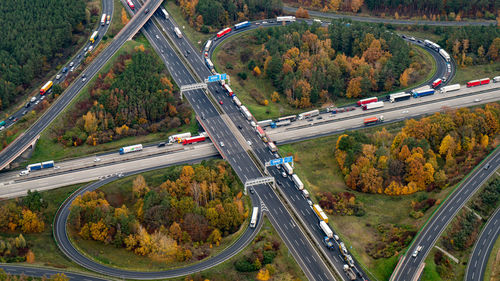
462, 233
358, 177
282, 70
433, 10
187, 215
8, 277
33, 49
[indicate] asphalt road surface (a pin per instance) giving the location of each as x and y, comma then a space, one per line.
47, 272
482, 249
107, 8
19, 145
410, 267
391, 21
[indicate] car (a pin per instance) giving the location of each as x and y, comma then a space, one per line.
239, 127
336, 237
42, 97
90, 48
264, 22
85, 49
79, 56
2, 128
444, 79
71, 64
271, 21
84, 79
278, 167
58, 76
15, 119
221, 144
33, 99
146, 11
161, 51
350, 261
84, 75
217, 91
186, 55
276, 155
57, 167
25, 172
309, 202
253, 124
161, 144
415, 254
157, 37
420, 41
257, 23
11, 118
319, 117
37, 102
252, 190
24, 112
27, 105
221, 102
249, 142
97, 159
73, 68
404, 112
487, 166
65, 70
412, 38
419, 248
403, 36
283, 174
477, 100
188, 51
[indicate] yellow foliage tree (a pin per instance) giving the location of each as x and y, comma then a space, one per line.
91, 122
30, 257
355, 5
99, 231
125, 19
484, 141
354, 88
263, 274
275, 97
139, 187
256, 71
405, 77
30, 222
59, 277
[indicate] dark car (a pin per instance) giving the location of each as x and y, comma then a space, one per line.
65, 70
251, 190
24, 112
239, 127
11, 118
161, 144
27, 105
146, 11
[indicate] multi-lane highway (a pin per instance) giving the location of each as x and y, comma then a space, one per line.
107, 8
409, 268
478, 260
22, 142
47, 272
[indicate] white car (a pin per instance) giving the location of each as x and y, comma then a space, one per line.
221, 144
25, 172
284, 174
477, 100
249, 143
97, 159
33, 99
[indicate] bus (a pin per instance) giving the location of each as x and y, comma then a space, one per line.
255, 214
94, 36
103, 19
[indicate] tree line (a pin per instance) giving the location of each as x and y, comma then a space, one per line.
210, 15
135, 97
175, 221
34, 35
433, 152
434, 9
309, 64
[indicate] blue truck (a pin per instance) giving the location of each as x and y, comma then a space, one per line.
241, 25
48, 164
423, 93
39, 166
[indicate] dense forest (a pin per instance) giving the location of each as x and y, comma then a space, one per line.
207, 15
310, 64
34, 33
434, 9
195, 206
433, 152
135, 97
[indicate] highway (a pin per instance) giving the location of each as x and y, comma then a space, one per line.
11, 152
409, 268
312, 13
107, 8
478, 260
47, 272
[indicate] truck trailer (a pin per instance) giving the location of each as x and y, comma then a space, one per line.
373, 105
223, 32
423, 93
237, 101
241, 25
297, 182
280, 123
48, 164
46, 88
479, 82
178, 32
193, 140
288, 168
265, 123
326, 229
246, 112
349, 272
178, 137
319, 212
309, 114
399, 97
450, 88
367, 101
373, 120
131, 148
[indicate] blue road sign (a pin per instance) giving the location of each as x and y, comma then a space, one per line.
275, 162
288, 159
217, 77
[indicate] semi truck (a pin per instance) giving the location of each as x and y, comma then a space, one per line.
496, 79
444, 54
34, 167
319, 212
241, 25
246, 112
223, 32
165, 13
308, 114
348, 271
367, 101
229, 90
285, 18
272, 146
423, 93
178, 137
450, 88
297, 182
178, 32
326, 229
255, 215
436, 83
373, 120
237, 101
288, 168
329, 243
373, 105
46, 88
265, 123
209, 63
48, 164
479, 82
130, 4
280, 123
103, 19
193, 140
399, 97
94, 36
208, 45
131, 148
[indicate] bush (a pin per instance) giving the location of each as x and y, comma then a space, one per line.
268, 257
244, 266
205, 29
251, 65
242, 75
229, 65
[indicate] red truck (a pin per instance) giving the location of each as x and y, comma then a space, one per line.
474, 83
193, 140
436, 83
367, 101
223, 32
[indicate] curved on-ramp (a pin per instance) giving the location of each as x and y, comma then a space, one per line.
63, 242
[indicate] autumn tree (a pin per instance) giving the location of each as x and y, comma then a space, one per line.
124, 17
354, 88
302, 13
139, 186
30, 223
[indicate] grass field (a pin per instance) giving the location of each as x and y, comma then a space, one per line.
316, 166
225, 55
118, 192
198, 39
476, 72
